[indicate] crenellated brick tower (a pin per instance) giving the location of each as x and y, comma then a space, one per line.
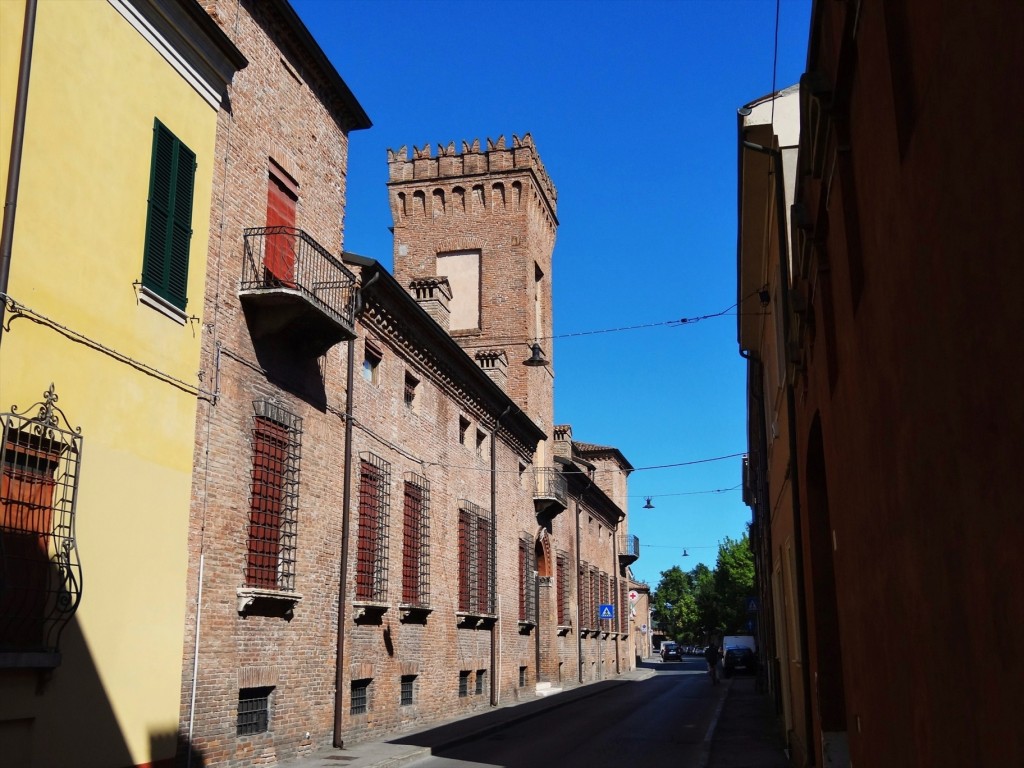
485, 220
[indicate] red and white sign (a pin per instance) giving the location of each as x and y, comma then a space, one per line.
633, 595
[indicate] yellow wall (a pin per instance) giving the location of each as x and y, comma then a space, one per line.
96, 87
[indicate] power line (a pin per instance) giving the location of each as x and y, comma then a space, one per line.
685, 493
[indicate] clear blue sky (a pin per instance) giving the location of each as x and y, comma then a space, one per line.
632, 106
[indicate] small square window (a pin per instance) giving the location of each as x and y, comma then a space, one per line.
253, 710
522, 677
360, 697
408, 690
409, 395
463, 684
480, 675
463, 429
371, 363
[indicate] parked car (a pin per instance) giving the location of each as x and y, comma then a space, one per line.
739, 657
671, 651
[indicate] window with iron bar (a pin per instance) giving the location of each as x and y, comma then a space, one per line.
416, 541
562, 576
40, 574
372, 545
605, 584
595, 597
463, 684
253, 710
583, 598
527, 579
274, 498
481, 676
624, 607
360, 703
476, 564
522, 677
408, 690
409, 392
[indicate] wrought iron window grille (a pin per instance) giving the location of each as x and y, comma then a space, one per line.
408, 690
415, 544
463, 684
527, 581
253, 710
374, 522
476, 563
564, 587
274, 498
360, 703
40, 571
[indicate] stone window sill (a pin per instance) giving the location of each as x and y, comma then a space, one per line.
250, 596
475, 620
368, 610
414, 614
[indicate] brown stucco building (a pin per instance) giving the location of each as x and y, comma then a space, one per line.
882, 455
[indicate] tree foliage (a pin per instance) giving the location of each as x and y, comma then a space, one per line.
690, 606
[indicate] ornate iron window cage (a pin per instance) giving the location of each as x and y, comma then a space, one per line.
41, 586
274, 497
374, 523
416, 542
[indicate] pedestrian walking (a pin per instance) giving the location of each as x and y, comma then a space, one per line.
711, 655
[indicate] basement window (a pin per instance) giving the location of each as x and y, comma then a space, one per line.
253, 710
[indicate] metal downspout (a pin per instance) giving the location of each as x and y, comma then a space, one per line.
346, 517
14, 164
494, 549
780, 213
579, 588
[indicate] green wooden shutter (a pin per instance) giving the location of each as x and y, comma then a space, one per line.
169, 218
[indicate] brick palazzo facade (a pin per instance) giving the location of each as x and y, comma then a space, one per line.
387, 528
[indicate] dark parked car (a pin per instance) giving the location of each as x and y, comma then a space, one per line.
670, 651
739, 657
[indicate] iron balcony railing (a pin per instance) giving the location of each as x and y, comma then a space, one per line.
630, 548
551, 487
288, 260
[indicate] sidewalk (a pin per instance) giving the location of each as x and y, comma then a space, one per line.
746, 733
742, 733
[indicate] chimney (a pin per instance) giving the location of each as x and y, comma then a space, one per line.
494, 363
563, 441
434, 294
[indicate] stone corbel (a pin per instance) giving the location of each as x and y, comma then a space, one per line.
248, 596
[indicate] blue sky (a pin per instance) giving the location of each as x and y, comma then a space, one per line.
632, 106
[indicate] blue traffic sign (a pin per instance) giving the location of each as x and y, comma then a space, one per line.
606, 611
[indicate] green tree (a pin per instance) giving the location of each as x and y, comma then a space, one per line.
734, 582
690, 606
673, 602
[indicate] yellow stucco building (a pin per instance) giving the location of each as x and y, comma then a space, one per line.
105, 238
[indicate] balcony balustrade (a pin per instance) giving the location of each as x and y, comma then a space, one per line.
629, 549
294, 291
552, 491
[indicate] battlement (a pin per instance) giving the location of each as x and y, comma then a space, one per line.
472, 160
